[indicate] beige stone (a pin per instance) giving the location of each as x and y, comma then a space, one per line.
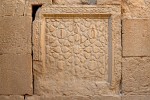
67, 2
79, 72
135, 75
73, 98
136, 97
12, 97
12, 7
15, 35
108, 2
136, 37
135, 8
15, 74
75, 2
39, 1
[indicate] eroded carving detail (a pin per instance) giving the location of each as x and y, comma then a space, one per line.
77, 48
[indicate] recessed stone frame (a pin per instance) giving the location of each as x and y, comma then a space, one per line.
78, 87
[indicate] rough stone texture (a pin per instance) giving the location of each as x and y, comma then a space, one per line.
135, 73
39, 1
135, 15
136, 37
73, 98
15, 74
135, 8
13, 97
72, 2
15, 35
15, 38
78, 47
12, 7
75, 2
136, 97
71, 52
112, 2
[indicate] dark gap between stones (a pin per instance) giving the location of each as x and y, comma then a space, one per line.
34, 10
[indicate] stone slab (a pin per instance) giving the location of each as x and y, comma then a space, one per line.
110, 2
136, 97
12, 7
73, 60
75, 2
39, 1
73, 98
15, 74
15, 35
13, 97
135, 75
136, 37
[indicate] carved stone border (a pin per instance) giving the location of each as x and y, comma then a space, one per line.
114, 35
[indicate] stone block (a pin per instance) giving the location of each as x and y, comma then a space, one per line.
15, 74
39, 1
135, 75
136, 97
72, 2
75, 2
12, 7
99, 2
73, 98
136, 37
135, 8
71, 54
15, 35
13, 97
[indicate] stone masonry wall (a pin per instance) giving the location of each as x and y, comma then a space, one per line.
20, 81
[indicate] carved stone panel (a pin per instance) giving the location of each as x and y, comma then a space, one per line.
75, 50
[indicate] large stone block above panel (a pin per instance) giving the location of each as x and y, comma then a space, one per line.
15, 74
136, 37
15, 35
136, 76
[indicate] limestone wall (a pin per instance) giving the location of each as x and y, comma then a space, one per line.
32, 69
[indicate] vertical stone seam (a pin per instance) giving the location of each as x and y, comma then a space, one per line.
32, 55
121, 60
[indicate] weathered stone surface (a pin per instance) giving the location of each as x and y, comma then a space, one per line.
12, 7
136, 97
13, 97
135, 8
135, 75
108, 1
67, 2
136, 37
73, 98
75, 2
71, 51
15, 35
15, 74
39, 1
